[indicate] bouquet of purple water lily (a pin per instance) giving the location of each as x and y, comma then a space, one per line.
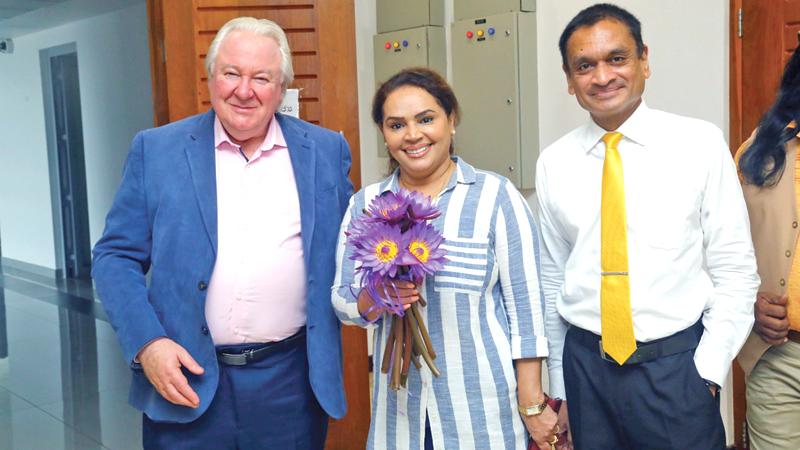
393, 240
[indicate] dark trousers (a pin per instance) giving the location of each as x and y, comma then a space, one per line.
264, 405
659, 404
428, 444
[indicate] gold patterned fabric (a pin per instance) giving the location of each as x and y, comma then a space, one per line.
615, 294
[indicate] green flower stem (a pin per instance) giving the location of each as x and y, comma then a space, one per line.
398, 352
387, 352
406, 351
423, 330
415, 356
421, 348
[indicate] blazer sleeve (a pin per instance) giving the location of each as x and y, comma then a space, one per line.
345, 185
122, 257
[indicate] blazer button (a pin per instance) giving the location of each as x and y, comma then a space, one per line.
783, 282
788, 253
794, 224
202, 285
204, 330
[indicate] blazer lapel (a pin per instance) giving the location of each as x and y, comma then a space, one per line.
303, 155
202, 165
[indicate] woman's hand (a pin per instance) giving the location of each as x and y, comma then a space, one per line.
403, 291
564, 436
543, 427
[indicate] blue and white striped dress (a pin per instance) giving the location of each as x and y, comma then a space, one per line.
484, 310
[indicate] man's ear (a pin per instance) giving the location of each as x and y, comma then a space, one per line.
645, 62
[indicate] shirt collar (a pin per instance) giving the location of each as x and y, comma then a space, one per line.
636, 129
465, 174
272, 141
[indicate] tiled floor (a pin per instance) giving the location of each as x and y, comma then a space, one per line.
63, 381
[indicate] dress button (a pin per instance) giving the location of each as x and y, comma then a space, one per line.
202, 285
204, 330
788, 253
783, 282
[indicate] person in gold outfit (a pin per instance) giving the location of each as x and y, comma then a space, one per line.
769, 167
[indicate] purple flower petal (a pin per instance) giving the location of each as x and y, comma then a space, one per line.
388, 207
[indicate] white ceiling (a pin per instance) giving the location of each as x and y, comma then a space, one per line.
12, 8
19, 17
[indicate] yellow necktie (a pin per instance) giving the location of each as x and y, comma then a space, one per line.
615, 294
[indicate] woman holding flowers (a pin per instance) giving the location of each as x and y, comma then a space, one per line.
483, 307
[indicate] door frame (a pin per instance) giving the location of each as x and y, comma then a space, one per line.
45, 56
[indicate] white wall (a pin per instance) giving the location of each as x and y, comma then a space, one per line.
688, 42
116, 98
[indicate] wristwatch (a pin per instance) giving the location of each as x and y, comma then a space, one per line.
533, 410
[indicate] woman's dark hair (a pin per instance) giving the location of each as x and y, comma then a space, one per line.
594, 14
423, 78
763, 162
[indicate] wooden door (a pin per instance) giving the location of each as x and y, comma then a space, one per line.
764, 33
321, 36
769, 35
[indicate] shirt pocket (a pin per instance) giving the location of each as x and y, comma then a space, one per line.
466, 266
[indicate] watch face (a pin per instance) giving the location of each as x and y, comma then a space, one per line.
534, 410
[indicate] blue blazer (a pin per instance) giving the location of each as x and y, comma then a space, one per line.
164, 220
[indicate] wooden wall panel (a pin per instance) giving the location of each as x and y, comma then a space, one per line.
325, 71
210, 20
339, 101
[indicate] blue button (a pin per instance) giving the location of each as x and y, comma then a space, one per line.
405, 43
490, 31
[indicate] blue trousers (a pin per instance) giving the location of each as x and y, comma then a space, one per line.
268, 404
660, 404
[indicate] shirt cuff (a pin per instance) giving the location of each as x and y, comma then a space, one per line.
557, 387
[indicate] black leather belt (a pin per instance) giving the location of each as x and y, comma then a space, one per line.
646, 351
246, 355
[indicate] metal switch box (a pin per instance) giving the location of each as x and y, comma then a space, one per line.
494, 76
423, 46
469, 9
396, 15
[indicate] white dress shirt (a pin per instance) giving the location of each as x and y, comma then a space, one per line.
689, 248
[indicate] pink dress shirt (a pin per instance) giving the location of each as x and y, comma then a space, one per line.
257, 291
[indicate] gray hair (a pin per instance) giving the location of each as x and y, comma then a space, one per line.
261, 27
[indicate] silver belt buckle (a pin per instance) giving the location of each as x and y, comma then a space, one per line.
234, 359
603, 353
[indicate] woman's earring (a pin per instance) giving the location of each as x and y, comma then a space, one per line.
385, 144
453, 132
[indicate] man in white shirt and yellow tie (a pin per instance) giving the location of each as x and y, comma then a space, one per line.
648, 268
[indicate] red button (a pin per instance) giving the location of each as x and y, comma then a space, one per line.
469, 34
388, 45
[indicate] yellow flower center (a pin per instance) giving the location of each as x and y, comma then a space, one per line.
386, 251
420, 250
386, 211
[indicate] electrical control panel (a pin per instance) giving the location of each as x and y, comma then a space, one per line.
397, 50
468, 9
396, 15
495, 79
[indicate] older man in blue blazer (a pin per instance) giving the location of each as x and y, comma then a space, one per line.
235, 214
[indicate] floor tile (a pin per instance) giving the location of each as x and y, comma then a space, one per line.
10, 403
105, 417
63, 378
34, 429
